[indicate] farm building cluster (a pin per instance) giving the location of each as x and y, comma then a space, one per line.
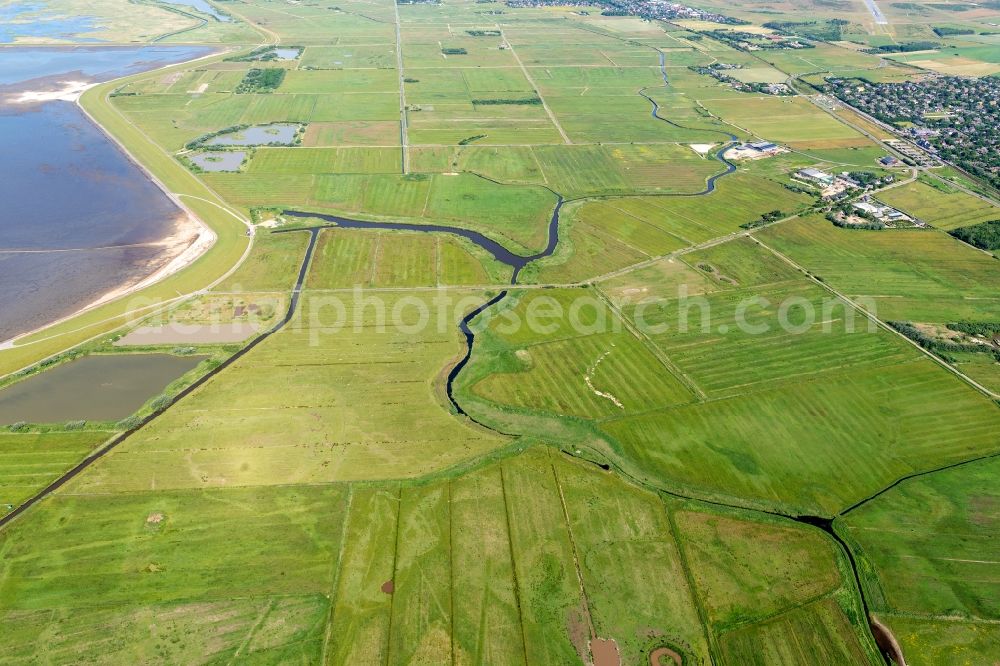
754, 151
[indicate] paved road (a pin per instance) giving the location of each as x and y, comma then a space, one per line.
880, 18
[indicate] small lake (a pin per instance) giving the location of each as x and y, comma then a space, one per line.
76, 210
93, 388
202, 6
258, 135
286, 53
223, 160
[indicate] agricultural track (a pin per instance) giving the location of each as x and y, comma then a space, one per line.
517, 263
100, 453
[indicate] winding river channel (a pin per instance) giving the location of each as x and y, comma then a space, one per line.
54, 228
516, 261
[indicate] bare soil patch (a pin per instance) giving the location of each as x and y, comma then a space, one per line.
605, 652
578, 630
177, 333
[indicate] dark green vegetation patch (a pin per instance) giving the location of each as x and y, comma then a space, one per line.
985, 236
261, 80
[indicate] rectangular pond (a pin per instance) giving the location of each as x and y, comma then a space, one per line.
286, 52
93, 388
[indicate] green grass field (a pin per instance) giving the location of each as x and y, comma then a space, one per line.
601, 374
515, 215
754, 431
347, 258
607, 235
792, 119
293, 426
772, 592
941, 205
272, 265
649, 423
931, 562
528, 559
29, 461
916, 275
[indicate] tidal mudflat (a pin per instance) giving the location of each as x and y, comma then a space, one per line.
35, 20
80, 219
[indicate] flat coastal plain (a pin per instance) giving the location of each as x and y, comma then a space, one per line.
528, 334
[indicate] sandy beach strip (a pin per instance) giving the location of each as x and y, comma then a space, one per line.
70, 92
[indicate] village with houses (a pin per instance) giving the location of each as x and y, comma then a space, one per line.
654, 10
951, 117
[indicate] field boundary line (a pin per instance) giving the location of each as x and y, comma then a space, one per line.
335, 585
513, 563
650, 346
959, 619
881, 324
576, 558
451, 570
404, 135
741, 624
527, 75
914, 475
541, 170
649, 224
689, 579
395, 561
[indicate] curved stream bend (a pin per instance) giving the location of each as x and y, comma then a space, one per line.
516, 261
495, 249
501, 253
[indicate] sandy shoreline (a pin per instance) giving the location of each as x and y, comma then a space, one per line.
190, 239
70, 92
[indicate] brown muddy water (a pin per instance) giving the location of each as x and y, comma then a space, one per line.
93, 388
605, 652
